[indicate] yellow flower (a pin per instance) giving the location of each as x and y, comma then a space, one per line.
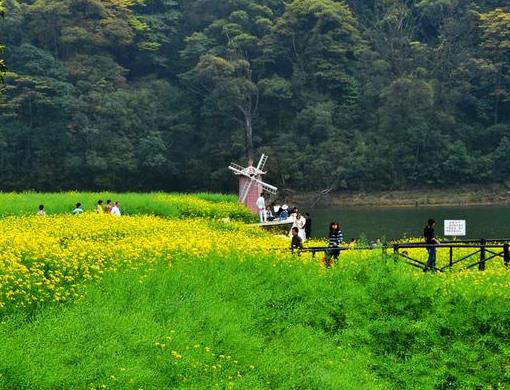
176, 355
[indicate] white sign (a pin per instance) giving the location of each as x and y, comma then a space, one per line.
455, 227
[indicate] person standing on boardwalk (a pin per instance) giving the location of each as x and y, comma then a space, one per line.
430, 239
300, 222
261, 205
336, 237
308, 226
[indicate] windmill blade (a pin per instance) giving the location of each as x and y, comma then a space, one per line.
236, 167
244, 193
268, 187
238, 170
262, 162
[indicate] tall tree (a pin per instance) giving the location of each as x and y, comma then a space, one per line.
3, 68
495, 27
224, 60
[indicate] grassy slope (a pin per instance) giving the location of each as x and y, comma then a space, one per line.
369, 324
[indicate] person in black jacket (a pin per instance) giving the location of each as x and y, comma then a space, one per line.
430, 239
308, 226
296, 242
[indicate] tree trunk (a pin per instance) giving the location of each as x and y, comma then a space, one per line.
497, 92
249, 137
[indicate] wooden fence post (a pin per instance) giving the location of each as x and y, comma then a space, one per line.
481, 265
506, 254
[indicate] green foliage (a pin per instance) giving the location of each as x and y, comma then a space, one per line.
321, 38
162, 94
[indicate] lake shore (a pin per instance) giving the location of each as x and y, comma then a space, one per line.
411, 198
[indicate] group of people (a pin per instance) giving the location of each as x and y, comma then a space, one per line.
303, 223
282, 213
336, 238
110, 208
268, 213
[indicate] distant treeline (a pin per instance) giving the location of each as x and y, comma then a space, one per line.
163, 94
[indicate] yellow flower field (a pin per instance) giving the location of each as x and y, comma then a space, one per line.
51, 259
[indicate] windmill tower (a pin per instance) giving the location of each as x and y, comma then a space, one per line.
251, 184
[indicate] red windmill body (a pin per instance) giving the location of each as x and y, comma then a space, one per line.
251, 184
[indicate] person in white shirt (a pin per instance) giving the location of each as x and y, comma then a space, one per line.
261, 205
78, 210
116, 210
41, 212
299, 222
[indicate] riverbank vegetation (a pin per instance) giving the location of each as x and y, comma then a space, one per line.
94, 301
424, 197
350, 94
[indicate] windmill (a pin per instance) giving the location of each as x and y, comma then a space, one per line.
251, 184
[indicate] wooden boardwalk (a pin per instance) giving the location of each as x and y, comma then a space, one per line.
481, 252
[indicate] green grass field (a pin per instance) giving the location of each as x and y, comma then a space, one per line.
160, 204
256, 323
241, 319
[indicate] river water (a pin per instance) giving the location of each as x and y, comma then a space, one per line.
394, 223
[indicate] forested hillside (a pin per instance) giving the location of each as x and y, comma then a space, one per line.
161, 94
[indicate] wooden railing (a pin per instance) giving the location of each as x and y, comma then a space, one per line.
484, 250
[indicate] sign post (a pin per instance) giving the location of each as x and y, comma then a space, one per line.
455, 228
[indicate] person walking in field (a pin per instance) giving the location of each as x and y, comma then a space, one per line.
335, 238
430, 239
261, 205
41, 212
108, 208
77, 210
116, 210
99, 207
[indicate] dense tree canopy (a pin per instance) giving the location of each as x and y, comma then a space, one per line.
163, 94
